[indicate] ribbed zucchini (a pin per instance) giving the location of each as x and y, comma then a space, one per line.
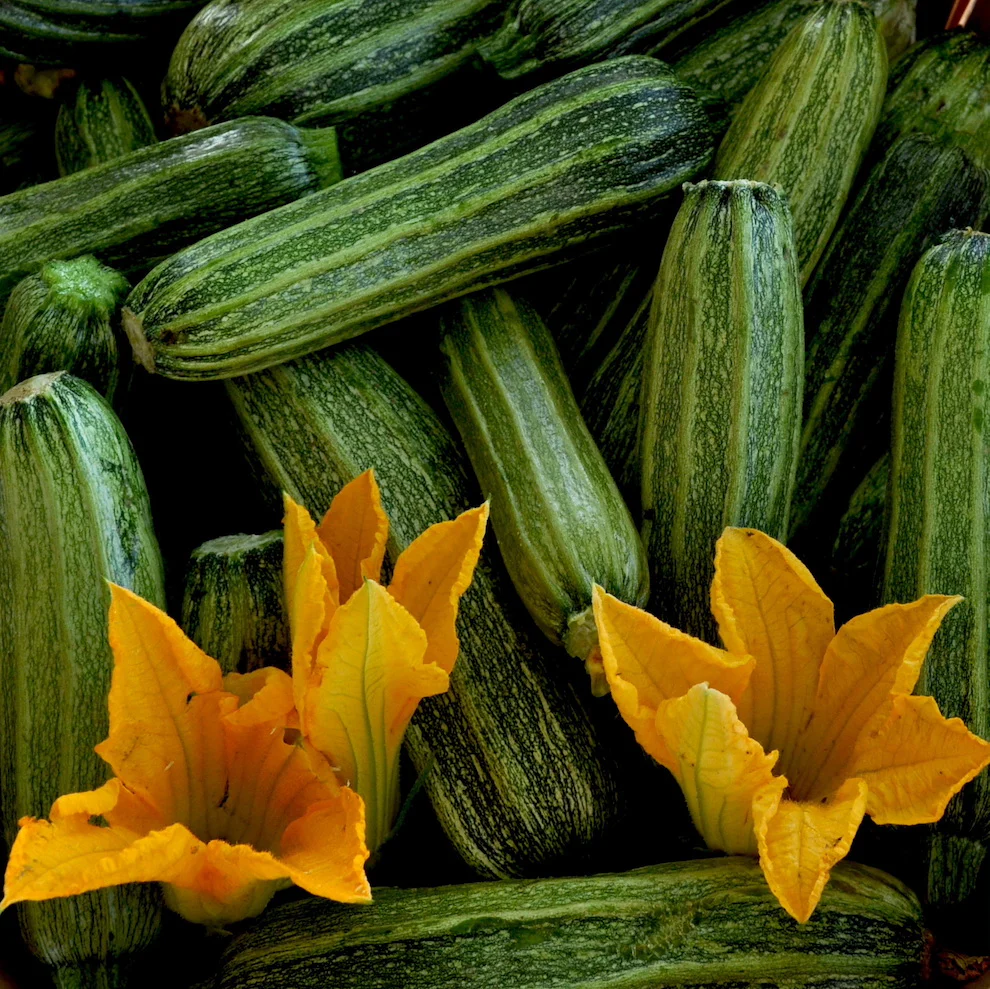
939, 518
577, 158
721, 401
941, 87
389, 76
920, 190
807, 123
105, 119
233, 607
520, 780
135, 209
74, 513
561, 523
710, 922
64, 318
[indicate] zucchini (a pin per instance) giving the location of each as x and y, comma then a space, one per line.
561, 523
105, 119
390, 76
132, 211
233, 606
711, 922
721, 401
520, 779
25, 154
807, 123
939, 521
920, 190
63, 318
578, 158
74, 513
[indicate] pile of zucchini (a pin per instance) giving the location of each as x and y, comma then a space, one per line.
634, 269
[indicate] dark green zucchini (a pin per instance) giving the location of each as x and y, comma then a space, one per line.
709, 922
575, 159
721, 401
938, 537
920, 190
520, 780
132, 211
561, 523
807, 123
233, 606
74, 514
105, 119
64, 318
389, 76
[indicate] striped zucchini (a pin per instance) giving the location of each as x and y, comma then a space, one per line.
709, 922
233, 606
520, 779
105, 119
389, 76
807, 123
941, 87
561, 523
64, 318
721, 400
575, 159
74, 513
939, 520
135, 209
920, 190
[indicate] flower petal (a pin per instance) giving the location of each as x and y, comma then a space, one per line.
431, 575
373, 675
719, 767
310, 607
647, 662
768, 606
299, 536
799, 843
916, 762
355, 531
872, 657
265, 696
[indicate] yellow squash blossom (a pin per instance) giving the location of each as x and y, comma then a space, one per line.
207, 796
363, 656
784, 739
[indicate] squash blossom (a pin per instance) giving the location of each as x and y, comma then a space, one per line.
784, 739
363, 656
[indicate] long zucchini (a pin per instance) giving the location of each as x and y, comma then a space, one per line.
711, 922
561, 523
518, 777
74, 513
920, 190
575, 159
133, 210
939, 521
391, 77
721, 402
64, 318
104, 120
807, 123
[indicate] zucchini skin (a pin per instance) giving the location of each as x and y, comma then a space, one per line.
807, 123
577, 158
938, 533
62, 318
396, 75
708, 922
133, 210
106, 119
74, 513
561, 523
921, 189
521, 781
233, 605
720, 410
